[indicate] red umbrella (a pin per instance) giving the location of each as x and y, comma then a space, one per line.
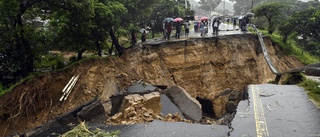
177, 20
204, 18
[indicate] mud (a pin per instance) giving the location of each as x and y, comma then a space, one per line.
205, 67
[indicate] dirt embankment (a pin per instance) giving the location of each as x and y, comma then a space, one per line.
204, 67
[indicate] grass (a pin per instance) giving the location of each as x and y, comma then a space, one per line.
82, 130
313, 89
291, 48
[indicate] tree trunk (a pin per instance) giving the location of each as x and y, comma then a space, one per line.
80, 52
115, 41
99, 48
29, 56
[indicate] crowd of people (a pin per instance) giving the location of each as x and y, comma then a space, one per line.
168, 25
202, 25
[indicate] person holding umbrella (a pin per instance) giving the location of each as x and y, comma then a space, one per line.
215, 26
178, 27
167, 27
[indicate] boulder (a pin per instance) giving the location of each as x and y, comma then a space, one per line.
152, 101
190, 107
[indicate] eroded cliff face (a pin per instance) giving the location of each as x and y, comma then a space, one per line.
204, 67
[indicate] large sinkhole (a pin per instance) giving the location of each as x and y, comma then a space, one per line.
143, 102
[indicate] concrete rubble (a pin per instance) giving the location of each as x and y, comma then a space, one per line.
189, 106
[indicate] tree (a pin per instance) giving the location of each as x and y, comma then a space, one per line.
304, 26
209, 5
273, 12
244, 6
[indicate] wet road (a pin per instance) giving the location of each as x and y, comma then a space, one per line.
225, 29
168, 129
276, 111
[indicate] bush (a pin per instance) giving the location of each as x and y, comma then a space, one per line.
82, 130
313, 89
50, 60
3, 90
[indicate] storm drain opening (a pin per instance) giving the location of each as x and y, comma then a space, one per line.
207, 107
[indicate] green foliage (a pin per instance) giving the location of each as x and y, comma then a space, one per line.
82, 130
3, 90
273, 12
303, 27
50, 60
313, 89
290, 48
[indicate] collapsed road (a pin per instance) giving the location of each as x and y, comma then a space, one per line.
213, 71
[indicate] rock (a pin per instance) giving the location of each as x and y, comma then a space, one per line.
146, 115
235, 95
190, 107
219, 106
91, 111
110, 88
231, 107
137, 98
226, 102
152, 101
137, 108
117, 117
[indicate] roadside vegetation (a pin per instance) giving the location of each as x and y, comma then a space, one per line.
82, 130
313, 90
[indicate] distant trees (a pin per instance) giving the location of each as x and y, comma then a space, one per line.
304, 27
208, 5
300, 22
244, 6
29, 28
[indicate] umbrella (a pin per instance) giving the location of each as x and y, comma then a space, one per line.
249, 14
142, 30
167, 20
177, 20
204, 18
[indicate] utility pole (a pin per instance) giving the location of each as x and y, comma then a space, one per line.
186, 5
251, 4
224, 7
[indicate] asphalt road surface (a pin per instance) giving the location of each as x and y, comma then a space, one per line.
276, 111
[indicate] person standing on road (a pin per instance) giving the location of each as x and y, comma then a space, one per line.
133, 38
215, 26
143, 36
169, 29
202, 27
186, 29
234, 24
178, 30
